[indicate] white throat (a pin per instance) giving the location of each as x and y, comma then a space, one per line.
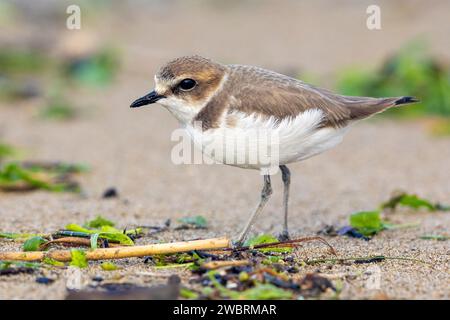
182, 111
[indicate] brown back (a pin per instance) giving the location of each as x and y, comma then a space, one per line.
254, 90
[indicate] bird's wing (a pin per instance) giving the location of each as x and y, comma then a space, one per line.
259, 91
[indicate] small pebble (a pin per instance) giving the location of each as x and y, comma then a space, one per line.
110, 193
44, 280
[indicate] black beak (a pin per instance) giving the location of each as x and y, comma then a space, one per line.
152, 97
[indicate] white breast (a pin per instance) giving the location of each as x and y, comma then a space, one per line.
257, 142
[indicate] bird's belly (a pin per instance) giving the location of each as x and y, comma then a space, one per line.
270, 147
236, 148
293, 149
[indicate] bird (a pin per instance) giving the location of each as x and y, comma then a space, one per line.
224, 104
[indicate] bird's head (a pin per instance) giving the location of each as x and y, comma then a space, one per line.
184, 86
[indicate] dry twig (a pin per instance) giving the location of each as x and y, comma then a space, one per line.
121, 252
288, 243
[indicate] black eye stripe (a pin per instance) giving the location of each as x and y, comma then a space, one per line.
187, 84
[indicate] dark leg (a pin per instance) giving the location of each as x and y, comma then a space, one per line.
265, 195
286, 176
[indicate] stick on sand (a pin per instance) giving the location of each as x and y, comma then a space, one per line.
122, 252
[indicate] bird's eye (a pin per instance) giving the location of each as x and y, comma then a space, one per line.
187, 84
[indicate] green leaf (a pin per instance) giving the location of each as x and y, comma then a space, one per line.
14, 176
109, 266
265, 292
33, 244
99, 222
267, 238
188, 294
408, 200
78, 258
198, 222
366, 222
105, 232
53, 262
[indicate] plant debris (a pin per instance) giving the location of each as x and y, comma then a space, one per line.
123, 251
105, 232
97, 232
78, 241
437, 237
367, 223
265, 239
109, 266
285, 243
156, 229
56, 167
313, 285
33, 244
14, 267
56, 177
97, 69
412, 201
361, 260
264, 268
53, 262
196, 222
78, 258
256, 282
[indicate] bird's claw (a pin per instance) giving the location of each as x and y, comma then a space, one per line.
236, 244
284, 236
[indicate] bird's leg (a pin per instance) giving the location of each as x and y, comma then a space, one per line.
286, 177
265, 195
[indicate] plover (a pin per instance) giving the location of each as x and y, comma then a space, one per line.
233, 100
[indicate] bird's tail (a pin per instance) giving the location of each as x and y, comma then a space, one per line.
361, 108
405, 100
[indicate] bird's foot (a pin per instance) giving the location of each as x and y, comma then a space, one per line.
284, 236
237, 244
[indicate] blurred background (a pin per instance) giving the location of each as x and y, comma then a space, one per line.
64, 96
